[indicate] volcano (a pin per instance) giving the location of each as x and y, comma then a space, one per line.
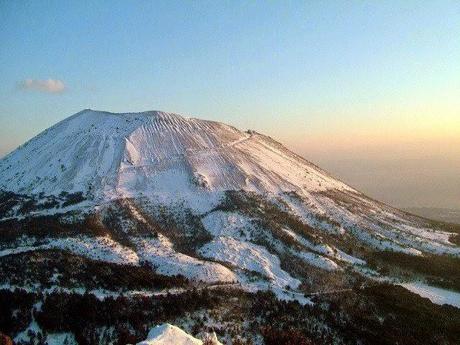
154, 201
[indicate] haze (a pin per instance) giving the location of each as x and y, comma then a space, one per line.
368, 91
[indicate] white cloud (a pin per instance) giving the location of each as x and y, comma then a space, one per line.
49, 85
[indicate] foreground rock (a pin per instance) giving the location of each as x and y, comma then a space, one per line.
167, 334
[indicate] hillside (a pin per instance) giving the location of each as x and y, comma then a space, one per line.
160, 208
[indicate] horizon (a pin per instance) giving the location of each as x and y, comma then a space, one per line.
369, 92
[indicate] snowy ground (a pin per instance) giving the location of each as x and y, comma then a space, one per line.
167, 334
249, 256
434, 294
101, 248
160, 253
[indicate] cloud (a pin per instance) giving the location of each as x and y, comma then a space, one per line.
49, 85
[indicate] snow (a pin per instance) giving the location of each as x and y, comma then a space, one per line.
325, 249
168, 158
212, 338
160, 253
176, 162
434, 294
349, 258
32, 329
23, 336
102, 294
117, 155
317, 261
167, 334
385, 228
61, 338
280, 291
100, 248
248, 256
231, 224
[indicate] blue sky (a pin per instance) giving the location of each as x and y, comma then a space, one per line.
364, 78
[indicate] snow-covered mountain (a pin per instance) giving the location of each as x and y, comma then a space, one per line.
166, 159
152, 203
155, 154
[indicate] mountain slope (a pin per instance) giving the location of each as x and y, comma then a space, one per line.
155, 205
167, 158
119, 155
141, 161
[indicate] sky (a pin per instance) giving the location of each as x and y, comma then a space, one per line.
368, 90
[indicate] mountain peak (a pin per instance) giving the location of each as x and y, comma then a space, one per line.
154, 152
157, 113
145, 115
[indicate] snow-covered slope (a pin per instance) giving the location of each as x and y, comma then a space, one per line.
167, 334
197, 198
434, 294
117, 155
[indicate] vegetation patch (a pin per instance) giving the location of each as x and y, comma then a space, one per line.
443, 271
59, 268
376, 315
